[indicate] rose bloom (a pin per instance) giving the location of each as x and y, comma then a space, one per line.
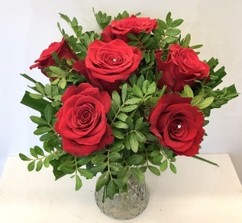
119, 29
62, 50
177, 124
181, 68
109, 64
81, 121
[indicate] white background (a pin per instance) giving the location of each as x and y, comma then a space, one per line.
27, 27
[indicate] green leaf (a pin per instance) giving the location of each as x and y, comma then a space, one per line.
124, 174
46, 162
57, 70
137, 91
47, 89
38, 120
98, 158
149, 43
135, 159
132, 101
119, 183
172, 32
120, 125
122, 117
115, 167
39, 151
65, 17
40, 88
134, 144
39, 165
111, 189
62, 83
116, 98
187, 92
151, 88
48, 113
86, 173
140, 137
206, 102
33, 153
129, 108
145, 86
84, 160
78, 182
102, 180
28, 78
35, 96
144, 38
102, 19
177, 22
162, 24
114, 156
124, 92
156, 160
48, 136
41, 130
170, 39
186, 40
68, 167
98, 168
24, 157
138, 174
196, 46
173, 168
168, 19
198, 98
118, 134
57, 173
122, 15
139, 123
154, 170
164, 165
132, 37
31, 165
169, 153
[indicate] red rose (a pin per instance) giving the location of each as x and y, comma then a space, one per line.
80, 67
181, 68
108, 64
45, 60
177, 124
119, 29
82, 122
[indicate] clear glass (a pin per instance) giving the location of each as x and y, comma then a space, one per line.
125, 205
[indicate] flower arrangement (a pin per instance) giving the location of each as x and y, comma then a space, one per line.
121, 101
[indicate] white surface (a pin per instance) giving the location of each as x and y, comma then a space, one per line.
27, 27
198, 193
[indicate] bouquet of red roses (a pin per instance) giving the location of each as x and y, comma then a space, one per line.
121, 101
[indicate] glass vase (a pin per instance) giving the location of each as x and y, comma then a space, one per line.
125, 205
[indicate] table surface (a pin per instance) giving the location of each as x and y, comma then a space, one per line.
199, 192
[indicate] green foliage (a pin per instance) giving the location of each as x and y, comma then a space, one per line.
80, 40
122, 15
102, 19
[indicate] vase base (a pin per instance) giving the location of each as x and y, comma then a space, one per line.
126, 205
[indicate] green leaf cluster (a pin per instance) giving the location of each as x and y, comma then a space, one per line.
102, 19
80, 40
167, 31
